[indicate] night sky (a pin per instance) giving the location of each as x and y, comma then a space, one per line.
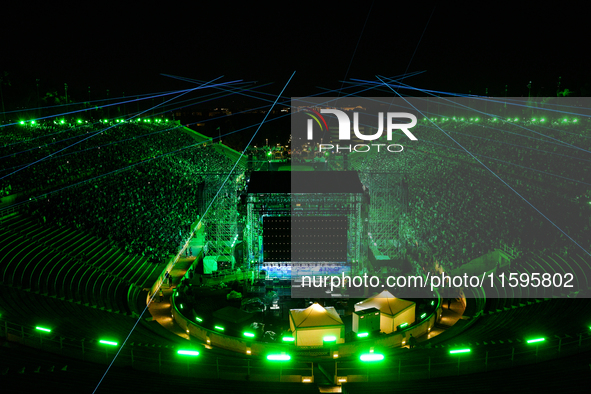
125, 48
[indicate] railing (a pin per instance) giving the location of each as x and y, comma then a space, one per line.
159, 359
402, 364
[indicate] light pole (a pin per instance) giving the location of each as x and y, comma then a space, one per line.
38, 107
66, 89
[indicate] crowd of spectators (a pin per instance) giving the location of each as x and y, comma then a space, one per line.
458, 211
148, 200
63, 153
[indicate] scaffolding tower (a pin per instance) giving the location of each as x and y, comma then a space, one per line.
221, 222
388, 201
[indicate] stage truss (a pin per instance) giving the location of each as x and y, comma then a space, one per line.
310, 204
388, 201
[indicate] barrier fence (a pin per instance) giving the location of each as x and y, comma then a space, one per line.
399, 365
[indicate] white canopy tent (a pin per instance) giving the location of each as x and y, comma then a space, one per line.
309, 326
393, 311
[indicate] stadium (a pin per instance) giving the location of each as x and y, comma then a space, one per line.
155, 254
262, 214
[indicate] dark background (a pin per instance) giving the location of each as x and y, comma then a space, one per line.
124, 48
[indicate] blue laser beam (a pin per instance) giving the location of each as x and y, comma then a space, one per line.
498, 177
207, 210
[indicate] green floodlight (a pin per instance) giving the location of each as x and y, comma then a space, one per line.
575, 120
476, 119
362, 335
110, 343
288, 339
269, 153
494, 119
79, 121
543, 120
432, 303
248, 334
516, 120
22, 122
403, 325
33, 122
62, 121
198, 319
219, 328
42, 329
565, 120
471, 119
536, 340
459, 351
167, 120
330, 338
462, 119
370, 357
181, 306
423, 315
188, 352
278, 357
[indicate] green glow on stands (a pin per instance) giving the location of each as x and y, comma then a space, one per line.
403, 325
248, 334
219, 328
188, 352
371, 357
278, 357
362, 335
330, 338
288, 339
536, 340
199, 319
423, 315
42, 329
108, 342
459, 351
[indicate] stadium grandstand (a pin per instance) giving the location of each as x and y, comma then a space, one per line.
143, 259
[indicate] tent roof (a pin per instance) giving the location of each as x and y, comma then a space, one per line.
385, 302
315, 316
